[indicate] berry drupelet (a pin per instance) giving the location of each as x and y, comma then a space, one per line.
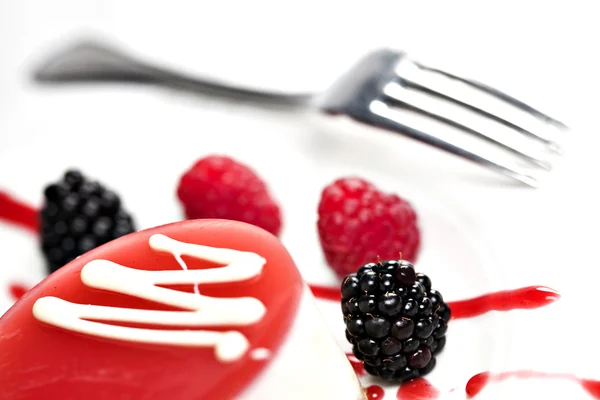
395, 321
79, 215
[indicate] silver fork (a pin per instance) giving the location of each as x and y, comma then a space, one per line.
372, 92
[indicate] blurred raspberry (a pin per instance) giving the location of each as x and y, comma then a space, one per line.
220, 187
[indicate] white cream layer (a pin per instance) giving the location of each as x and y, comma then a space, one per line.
309, 364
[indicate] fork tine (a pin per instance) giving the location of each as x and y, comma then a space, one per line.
382, 116
551, 144
500, 95
397, 94
412, 75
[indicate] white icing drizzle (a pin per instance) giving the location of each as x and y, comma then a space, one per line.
202, 310
260, 354
184, 266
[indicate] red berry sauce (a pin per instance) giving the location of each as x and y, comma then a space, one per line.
479, 381
17, 290
524, 298
326, 292
17, 212
417, 389
375, 392
356, 364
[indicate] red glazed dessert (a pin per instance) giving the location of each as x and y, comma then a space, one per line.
208, 309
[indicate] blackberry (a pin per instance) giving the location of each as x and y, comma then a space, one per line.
79, 215
395, 321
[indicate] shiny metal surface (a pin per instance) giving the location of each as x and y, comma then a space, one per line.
92, 61
370, 93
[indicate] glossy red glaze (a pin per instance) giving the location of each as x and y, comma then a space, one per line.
326, 292
18, 212
523, 298
591, 386
357, 365
37, 360
375, 392
417, 389
17, 290
478, 382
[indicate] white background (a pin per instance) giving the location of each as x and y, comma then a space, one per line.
139, 139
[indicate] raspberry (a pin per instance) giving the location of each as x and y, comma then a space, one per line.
79, 215
358, 223
395, 321
220, 187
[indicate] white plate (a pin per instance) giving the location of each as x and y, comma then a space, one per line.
139, 141
480, 233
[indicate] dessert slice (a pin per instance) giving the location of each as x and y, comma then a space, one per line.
204, 309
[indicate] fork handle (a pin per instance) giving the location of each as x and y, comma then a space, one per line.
92, 61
